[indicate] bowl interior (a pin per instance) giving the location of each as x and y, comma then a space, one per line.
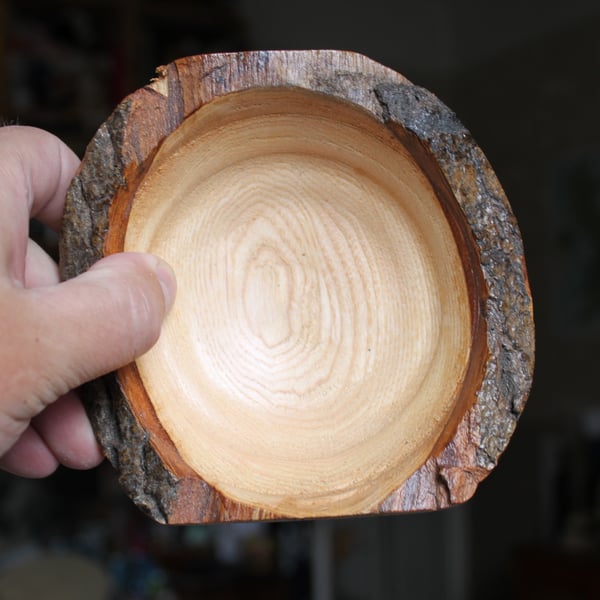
322, 328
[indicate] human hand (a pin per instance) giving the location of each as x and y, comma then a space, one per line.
55, 336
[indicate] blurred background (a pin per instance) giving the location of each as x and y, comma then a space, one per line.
524, 77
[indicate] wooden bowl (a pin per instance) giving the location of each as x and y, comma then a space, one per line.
353, 329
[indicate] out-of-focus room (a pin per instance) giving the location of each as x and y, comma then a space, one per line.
524, 78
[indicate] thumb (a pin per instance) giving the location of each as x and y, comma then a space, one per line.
100, 320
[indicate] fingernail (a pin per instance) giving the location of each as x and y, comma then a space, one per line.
168, 283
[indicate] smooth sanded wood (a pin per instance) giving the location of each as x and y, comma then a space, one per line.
323, 314
353, 328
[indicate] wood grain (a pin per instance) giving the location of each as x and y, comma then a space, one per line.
353, 331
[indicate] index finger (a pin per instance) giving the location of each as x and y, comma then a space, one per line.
35, 169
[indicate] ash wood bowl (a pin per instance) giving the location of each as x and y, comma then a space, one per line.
353, 328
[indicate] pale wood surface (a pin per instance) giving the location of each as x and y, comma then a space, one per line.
353, 331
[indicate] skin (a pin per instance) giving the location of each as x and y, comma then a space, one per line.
55, 336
